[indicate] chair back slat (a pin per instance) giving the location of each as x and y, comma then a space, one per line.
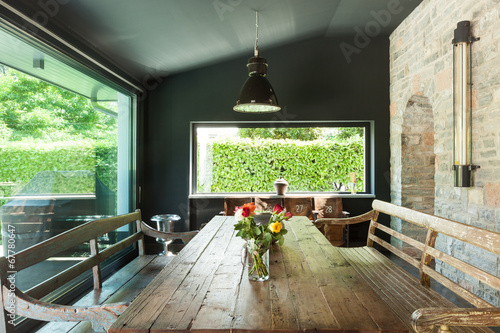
481, 238
485, 239
71, 238
76, 270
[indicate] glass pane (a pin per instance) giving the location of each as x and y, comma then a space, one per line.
311, 159
59, 168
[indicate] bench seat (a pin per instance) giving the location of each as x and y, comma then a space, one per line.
101, 307
122, 286
411, 298
402, 291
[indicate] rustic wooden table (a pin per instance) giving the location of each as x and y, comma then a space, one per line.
312, 287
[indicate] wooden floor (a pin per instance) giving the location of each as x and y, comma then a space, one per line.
123, 286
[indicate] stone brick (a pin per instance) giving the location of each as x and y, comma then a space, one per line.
428, 139
411, 140
476, 196
416, 86
496, 94
485, 99
489, 143
444, 80
488, 154
466, 285
487, 215
492, 194
393, 109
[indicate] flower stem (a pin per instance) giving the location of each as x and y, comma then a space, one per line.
258, 265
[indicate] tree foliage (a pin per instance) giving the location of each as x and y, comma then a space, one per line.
46, 128
252, 165
23, 160
278, 133
345, 133
34, 109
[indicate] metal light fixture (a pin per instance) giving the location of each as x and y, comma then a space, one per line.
257, 95
462, 102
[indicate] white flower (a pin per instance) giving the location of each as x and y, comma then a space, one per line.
238, 215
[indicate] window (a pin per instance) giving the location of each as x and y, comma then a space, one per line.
331, 157
66, 145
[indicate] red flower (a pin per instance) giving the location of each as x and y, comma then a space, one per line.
288, 215
277, 209
246, 212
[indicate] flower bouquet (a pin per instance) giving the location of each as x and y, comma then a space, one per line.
259, 236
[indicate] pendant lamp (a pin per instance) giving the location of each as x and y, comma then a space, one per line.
257, 95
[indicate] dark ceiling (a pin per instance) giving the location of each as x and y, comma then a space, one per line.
171, 36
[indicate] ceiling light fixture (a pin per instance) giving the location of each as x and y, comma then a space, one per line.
257, 95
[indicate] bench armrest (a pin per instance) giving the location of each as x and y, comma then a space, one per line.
346, 220
424, 320
184, 236
100, 316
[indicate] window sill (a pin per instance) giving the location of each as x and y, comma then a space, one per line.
271, 195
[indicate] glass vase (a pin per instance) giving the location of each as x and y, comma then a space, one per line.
256, 260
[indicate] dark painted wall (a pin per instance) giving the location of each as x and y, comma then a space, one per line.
313, 81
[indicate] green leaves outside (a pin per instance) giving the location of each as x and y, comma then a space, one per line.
252, 165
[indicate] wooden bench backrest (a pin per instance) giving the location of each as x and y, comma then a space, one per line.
484, 239
230, 204
88, 232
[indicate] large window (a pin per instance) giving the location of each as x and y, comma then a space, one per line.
331, 157
66, 146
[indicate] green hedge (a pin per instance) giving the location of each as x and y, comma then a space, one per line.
21, 161
252, 165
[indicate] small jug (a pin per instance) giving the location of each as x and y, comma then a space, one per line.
280, 185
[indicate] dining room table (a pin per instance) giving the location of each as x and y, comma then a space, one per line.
312, 287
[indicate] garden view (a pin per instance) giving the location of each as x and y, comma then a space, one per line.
311, 159
47, 128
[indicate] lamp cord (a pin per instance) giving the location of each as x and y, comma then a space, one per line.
256, 51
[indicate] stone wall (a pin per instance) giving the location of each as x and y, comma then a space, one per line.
421, 60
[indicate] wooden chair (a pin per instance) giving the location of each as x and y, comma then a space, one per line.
266, 203
300, 206
328, 208
230, 204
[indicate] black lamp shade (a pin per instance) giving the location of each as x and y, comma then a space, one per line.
257, 95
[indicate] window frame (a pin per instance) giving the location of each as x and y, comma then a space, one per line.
369, 149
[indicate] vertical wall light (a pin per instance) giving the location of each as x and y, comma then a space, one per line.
257, 95
462, 102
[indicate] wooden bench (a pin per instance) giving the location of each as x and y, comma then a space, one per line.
411, 298
123, 285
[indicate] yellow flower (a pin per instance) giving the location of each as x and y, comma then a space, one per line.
275, 227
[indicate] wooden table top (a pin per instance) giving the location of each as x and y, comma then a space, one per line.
205, 288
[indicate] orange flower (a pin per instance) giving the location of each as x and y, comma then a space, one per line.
249, 207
